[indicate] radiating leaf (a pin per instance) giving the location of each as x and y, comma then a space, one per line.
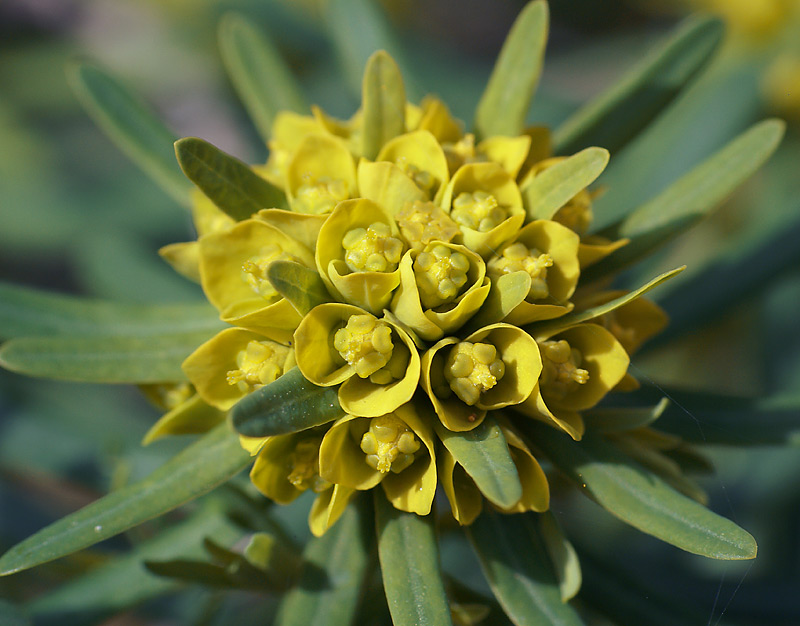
409, 558
552, 188
616, 420
123, 582
505, 294
113, 359
383, 103
640, 498
578, 317
562, 555
25, 311
288, 405
517, 567
300, 285
483, 453
331, 582
261, 78
227, 181
270, 554
131, 125
691, 197
507, 98
619, 113
195, 471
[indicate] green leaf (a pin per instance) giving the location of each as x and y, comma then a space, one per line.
196, 470
123, 582
617, 420
551, 189
333, 576
562, 555
25, 311
514, 561
640, 498
618, 114
270, 554
192, 417
11, 615
483, 453
131, 125
228, 182
409, 558
120, 359
505, 102
691, 197
288, 405
261, 78
505, 294
578, 317
300, 285
383, 103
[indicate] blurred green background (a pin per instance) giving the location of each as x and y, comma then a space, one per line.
76, 216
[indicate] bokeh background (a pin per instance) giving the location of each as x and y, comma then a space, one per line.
77, 217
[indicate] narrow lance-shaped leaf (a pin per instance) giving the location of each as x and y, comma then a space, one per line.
640, 498
507, 98
132, 126
196, 470
618, 114
261, 78
562, 555
578, 317
230, 184
409, 559
551, 189
113, 359
483, 453
300, 285
332, 580
26, 312
288, 405
616, 420
517, 567
383, 103
691, 197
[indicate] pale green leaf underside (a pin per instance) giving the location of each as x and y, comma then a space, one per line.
691, 197
616, 420
383, 103
505, 294
25, 311
562, 555
409, 557
517, 567
640, 498
483, 453
505, 102
300, 285
261, 78
196, 470
620, 112
288, 405
341, 556
113, 359
132, 126
548, 191
228, 182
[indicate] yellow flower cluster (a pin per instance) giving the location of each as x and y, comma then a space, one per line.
438, 279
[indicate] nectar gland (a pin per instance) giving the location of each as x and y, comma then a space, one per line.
304, 466
254, 270
440, 273
518, 257
424, 180
423, 222
366, 344
372, 249
389, 444
473, 368
260, 363
560, 372
478, 210
319, 196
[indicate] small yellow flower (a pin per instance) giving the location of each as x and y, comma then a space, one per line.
320, 174
288, 131
395, 450
421, 158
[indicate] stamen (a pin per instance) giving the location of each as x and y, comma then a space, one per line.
390, 445
473, 368
440, 273
423, 222
365, 343
560, 372
260, 363
318, 196
478, 210
304, 466
372, 249
254, 270
424, 180
518, 257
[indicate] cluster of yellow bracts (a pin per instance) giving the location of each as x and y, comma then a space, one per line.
420, 250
